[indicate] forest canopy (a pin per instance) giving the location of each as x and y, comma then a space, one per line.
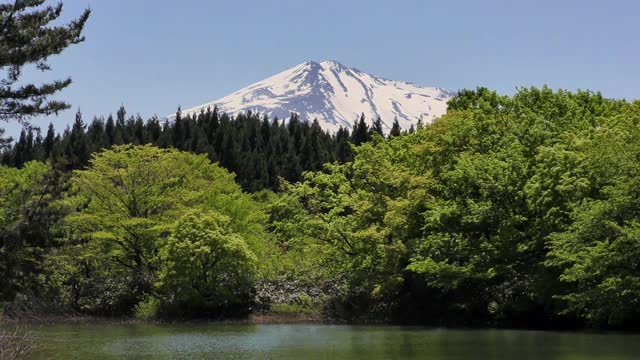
515, 210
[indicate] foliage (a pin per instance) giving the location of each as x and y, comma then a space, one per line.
358, 218
123, 211
487, 214
147, 309
26, 224
517, 210
206, 266
598, 252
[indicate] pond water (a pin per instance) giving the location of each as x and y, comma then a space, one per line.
236, 341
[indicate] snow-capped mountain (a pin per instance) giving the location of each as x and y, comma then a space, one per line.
335, 95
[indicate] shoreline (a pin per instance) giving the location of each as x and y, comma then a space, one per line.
277, 319
258, 318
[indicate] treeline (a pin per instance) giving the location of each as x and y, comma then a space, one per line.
519, 211
259, 150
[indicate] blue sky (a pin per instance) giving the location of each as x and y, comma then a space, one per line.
152, 56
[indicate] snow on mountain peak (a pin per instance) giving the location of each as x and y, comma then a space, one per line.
335, 95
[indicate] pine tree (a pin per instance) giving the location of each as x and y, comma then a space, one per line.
360, 132
343, 147
76, 151
265, 129
395, 129
29, 150
177, 136
96, 135
27, 39
228, 151
4, 142
49, 141
139, 131
21, 155
110, 130
376, 127
212, 124
120, 134
154, 130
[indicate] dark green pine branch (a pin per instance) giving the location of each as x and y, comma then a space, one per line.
27, 38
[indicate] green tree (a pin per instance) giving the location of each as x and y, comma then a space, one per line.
355, 218
49, 141
27, 220
207, 268
456, 221
360, 133
597, 253
129, 199
395, 129
376, 127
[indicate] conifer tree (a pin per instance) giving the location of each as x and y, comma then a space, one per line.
21, 154
177, 137
29, 145
395, 129
343, 149
154, 130
139, 132
376, 127
360, 132
120, 136
110, 130
27, 38
49, 141
96, 135
76, 152
4, 141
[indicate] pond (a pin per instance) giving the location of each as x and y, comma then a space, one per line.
299, 341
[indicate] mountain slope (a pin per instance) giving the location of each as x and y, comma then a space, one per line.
335, 95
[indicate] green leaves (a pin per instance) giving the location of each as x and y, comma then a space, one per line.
359, 218
503, 207
205, 264
598, 252
128, 210
27, 220
522, 209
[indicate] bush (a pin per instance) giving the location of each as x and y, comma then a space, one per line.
147, 309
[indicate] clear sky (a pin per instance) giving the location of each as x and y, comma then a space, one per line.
152, 56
